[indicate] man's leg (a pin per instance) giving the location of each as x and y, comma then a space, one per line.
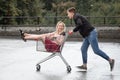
94, 43
84, 50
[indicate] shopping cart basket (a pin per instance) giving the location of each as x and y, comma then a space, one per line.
56, 52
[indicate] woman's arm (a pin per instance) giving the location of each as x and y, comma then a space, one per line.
50, 35
59, 40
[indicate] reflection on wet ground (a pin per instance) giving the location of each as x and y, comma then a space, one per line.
18, 60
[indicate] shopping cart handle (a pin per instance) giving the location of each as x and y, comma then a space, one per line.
70, 33
36, 39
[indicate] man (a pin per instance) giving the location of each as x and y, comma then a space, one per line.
89, 35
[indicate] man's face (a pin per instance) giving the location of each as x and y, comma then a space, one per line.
70, 14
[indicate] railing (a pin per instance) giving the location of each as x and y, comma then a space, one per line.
24, 21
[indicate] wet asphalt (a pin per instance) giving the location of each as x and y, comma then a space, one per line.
18, 62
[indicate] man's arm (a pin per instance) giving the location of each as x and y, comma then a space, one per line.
78, 25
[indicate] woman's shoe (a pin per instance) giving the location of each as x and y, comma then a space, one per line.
22, 35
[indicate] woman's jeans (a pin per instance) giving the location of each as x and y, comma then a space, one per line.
92, 39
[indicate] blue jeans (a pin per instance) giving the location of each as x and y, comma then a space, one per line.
92, 39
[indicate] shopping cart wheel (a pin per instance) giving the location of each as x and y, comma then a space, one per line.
38, 67
69, 69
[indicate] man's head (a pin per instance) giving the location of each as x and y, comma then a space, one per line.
71, 12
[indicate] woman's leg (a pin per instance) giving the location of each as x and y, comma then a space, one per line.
34, 36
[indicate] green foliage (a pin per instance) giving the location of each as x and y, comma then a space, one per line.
19, 8
25, 11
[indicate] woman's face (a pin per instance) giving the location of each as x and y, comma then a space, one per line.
60, 27
70, 14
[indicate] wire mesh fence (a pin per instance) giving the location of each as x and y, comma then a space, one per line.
107, 27
52, 20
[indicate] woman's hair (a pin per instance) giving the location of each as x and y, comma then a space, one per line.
64, 30
71, 9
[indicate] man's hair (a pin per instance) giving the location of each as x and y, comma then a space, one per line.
71, 9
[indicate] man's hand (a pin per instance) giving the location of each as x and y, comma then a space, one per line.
70, 32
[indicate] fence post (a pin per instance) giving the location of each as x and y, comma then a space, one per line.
104, 20
38, 21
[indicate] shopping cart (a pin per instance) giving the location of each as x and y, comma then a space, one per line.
57, 52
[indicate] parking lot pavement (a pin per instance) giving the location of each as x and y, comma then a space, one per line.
18, 60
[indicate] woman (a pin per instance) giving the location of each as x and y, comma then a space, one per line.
89, 35
51, 40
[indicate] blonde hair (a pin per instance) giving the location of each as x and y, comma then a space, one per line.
64, 30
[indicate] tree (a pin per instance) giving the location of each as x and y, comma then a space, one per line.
8, 8
29, 8
61, 7
24, 9
84, 6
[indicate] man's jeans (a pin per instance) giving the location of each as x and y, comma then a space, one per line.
92, 39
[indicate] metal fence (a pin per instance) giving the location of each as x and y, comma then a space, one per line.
25, 21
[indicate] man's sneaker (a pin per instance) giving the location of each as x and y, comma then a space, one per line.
82, 67
22, 35
112, 64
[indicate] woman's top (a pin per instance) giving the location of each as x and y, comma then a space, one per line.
56, 38
53, 42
